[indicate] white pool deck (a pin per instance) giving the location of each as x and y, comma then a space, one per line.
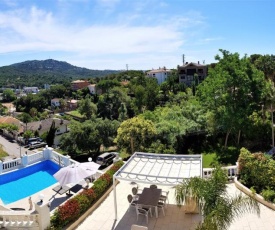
103, 217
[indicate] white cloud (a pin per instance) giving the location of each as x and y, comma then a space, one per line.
35, 30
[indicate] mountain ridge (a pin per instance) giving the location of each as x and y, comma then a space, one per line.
49, 71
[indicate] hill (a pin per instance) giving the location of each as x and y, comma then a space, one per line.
38, 73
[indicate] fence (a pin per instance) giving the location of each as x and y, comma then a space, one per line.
18, 220
46, 154
231, 171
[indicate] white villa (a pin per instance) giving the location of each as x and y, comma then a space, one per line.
160, 74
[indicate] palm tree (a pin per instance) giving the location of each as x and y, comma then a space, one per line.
218, 208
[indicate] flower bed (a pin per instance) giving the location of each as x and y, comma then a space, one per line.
75, 207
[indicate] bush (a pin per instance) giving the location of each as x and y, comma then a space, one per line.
73, 208
256, 170
268, 194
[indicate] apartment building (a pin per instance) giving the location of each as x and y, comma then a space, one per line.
188, 70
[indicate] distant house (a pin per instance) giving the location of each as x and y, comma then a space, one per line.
188, 70
44, 126
160, 74
79, 84
72, 104
29, 90
93, 89
55, 102
14, 121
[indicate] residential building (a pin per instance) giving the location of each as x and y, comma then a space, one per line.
14, 121
55, 102
160, 74
29, 90
93, 89
44, 126
71, 104
188, 70
79, 84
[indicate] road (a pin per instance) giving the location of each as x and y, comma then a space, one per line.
13, 149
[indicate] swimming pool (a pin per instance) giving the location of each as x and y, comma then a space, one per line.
23, 183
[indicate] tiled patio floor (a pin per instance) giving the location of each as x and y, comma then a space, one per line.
103, 217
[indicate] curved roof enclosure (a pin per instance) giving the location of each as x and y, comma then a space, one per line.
162, 169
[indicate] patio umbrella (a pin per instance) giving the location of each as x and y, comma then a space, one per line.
75, 172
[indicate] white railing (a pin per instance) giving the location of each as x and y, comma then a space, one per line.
11, 165
33, 158
16, 220
231, 171
25, 160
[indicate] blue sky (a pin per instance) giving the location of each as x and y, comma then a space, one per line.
145, 34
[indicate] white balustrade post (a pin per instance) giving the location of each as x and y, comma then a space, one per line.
1, 167
25, 160
47, 152
66, 160
43, 211
237, 170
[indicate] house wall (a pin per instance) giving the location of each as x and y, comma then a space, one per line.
187, 72
161, 76
76, 85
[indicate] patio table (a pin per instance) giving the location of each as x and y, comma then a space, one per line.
150, 197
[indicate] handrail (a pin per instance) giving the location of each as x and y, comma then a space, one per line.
11, 165
16, 220
231, 171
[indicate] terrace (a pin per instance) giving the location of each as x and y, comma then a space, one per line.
106, 216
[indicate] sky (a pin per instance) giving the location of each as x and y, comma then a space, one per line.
133, 34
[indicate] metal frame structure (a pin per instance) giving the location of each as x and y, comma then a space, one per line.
159, 169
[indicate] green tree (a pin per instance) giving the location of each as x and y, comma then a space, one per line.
8, 95
87, 107
25, 118
218, 208
106, 85
87, 137
266, 63
135, 134
33, 112
232, 91
51, 135
28, 134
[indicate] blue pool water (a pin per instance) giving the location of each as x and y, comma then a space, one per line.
27, 181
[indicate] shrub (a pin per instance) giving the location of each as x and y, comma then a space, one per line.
83, 201
69, 211
256, 170
74, 207
268, 194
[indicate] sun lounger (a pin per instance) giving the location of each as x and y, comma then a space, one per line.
61, 189
67, 189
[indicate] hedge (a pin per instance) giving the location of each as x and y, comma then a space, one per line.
79, 204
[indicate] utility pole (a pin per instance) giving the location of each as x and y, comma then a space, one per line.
20, 146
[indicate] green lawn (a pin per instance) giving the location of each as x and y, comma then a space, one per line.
75, 113
208, 159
